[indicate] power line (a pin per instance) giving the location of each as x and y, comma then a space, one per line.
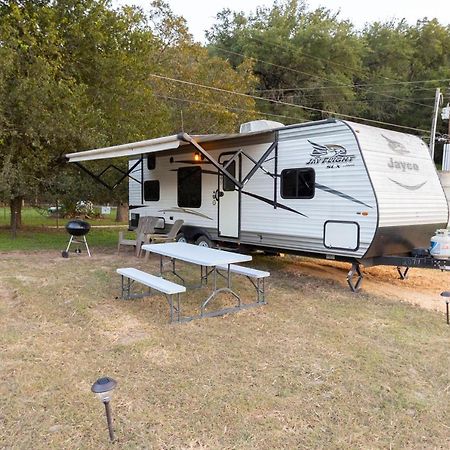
310, 88
230, 107
308, 108
319, 58
275, 65
337, 100
336, 96
316, 76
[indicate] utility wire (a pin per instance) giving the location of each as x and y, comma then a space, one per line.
316, 76
310, 88
275, 65
337, 100
307, 108
168, 97
318, 58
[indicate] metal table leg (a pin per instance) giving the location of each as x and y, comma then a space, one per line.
216, 292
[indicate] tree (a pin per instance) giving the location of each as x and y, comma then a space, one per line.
295, 53
43, 109
77, 76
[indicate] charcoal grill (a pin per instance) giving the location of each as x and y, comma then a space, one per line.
78, 229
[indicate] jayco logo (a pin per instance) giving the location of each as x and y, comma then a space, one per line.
332, 155
400, 149
402, 165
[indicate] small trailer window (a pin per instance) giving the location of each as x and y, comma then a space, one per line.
151, 191
298, 183
228, 185
151, 162
190, 187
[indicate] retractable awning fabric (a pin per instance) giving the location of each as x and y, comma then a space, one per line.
175, 142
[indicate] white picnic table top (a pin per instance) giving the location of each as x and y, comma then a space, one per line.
195, 254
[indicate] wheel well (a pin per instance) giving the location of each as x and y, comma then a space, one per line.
193, 233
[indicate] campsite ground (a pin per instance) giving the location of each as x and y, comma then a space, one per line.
316, 367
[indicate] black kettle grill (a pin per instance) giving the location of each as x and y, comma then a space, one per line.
77, 229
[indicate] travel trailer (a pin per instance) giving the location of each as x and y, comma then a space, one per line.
331, 189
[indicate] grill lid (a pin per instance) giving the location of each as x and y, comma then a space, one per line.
78, 227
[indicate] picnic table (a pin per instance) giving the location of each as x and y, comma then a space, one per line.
210, 261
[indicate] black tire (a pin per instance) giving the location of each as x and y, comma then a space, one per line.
203, 241
64, 254
271, 253
181, 238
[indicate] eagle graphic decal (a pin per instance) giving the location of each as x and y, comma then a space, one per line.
332, 156
327, 150
397, 147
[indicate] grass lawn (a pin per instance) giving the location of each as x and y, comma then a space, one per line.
40, 232
33, 217
318, 367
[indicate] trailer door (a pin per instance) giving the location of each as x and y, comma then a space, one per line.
228, 200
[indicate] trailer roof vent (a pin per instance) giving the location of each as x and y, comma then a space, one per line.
259, 125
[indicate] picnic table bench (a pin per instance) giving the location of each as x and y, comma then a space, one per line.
249, 272
168, 288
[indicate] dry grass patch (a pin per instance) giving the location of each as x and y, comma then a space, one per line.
317, 367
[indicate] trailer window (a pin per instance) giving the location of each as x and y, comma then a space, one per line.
190, 187
298, 183
151, 191
151, 162
228, 185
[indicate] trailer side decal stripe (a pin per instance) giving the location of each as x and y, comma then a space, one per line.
274, 204
186, 211
340, 194
411, 188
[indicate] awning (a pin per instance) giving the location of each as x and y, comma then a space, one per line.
175, 142
178, 143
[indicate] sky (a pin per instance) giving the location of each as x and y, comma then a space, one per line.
200, 14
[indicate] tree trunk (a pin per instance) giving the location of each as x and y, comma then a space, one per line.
122, 212
15, 207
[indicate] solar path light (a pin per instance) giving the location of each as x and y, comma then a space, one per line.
103, 388
446, 295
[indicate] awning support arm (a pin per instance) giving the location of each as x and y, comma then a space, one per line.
186, 138
235, 156
97, 177
253, 160
118, 170
260, 162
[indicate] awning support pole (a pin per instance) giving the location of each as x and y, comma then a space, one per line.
99, 179
260, 162
222, 169
186, 138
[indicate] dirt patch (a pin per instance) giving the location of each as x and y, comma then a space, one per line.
421, 288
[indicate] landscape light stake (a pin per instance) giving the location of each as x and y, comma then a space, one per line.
447, 301
103, 388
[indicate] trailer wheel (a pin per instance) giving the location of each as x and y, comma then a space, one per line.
203, 241
181, 238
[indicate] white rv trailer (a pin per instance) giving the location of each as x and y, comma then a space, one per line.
332, 189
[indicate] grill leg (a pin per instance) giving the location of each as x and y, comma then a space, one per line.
70, 242
87, 247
